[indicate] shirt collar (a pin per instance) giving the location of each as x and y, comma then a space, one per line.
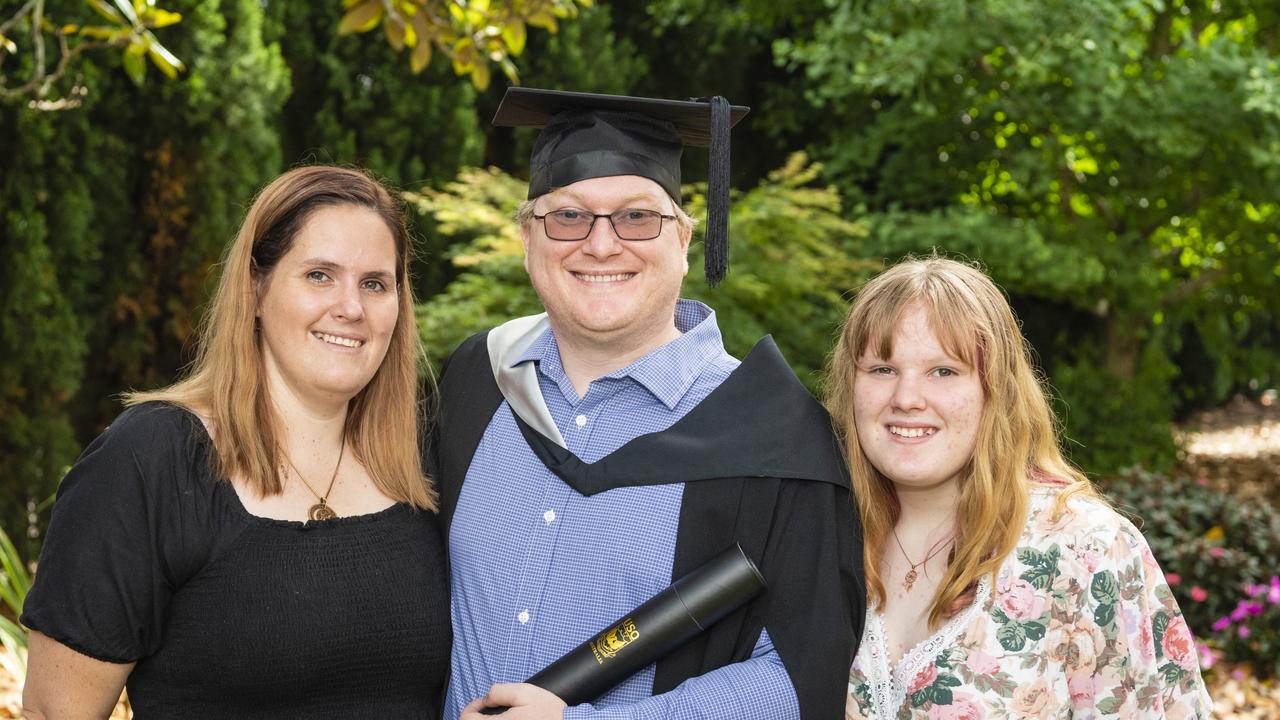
667, 372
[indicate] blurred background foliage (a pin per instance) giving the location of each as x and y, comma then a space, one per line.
1114, 164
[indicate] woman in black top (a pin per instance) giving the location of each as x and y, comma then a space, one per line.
259, 540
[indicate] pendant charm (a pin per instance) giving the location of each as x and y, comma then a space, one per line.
907, 582
321, 511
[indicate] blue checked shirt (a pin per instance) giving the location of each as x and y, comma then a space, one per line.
537, 567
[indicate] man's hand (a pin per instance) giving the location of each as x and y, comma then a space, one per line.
527, 702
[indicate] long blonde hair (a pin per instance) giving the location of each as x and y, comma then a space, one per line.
1017, 437
227, 383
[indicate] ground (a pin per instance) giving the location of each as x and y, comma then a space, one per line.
1237, 448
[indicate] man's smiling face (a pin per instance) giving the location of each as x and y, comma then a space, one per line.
603, 289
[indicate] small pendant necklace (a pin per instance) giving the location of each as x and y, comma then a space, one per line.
912, 575
321, 510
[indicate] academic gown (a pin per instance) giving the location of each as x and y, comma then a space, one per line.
762, 468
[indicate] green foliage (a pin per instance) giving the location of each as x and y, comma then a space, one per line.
472, 34
116, 214
1209, 544
1079, 129
792, 257
357, 103
1116, 423
1251, 632
15, 583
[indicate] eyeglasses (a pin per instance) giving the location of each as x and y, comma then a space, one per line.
569, 224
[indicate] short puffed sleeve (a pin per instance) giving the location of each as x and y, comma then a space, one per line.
121, 536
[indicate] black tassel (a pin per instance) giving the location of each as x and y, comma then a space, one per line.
716, 243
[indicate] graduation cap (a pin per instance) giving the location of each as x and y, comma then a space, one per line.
586, 135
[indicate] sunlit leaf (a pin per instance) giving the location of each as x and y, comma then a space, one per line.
543, 19
104, 8
126, 9
69, 29
104, 33
8, 45
162, 56
162, 60
162, 18
135, 63
514, 35
421, 28
480, 76
394, 29
509, 69
421, 56
362, 18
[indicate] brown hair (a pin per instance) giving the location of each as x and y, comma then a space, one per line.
1017, 436
227, 383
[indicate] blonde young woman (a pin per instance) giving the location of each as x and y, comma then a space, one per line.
259, 540
1000, 584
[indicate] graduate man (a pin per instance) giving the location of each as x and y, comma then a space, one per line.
589, 456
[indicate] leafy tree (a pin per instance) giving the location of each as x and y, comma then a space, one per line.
115, 215
1118, 159
471, 33
792, 257
357, 103
129, 27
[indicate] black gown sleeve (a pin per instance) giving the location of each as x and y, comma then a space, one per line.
115, 545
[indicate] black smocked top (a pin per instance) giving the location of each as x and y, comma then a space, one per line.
151, 559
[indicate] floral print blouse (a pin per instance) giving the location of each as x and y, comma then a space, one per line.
1081, 625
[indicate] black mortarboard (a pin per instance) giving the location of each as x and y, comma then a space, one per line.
585, 135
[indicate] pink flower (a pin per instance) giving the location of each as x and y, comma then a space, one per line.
1198, 593
923, 679
980, 663
1253, 609
1217, 551
1083, 688
1207, 656
1179, 644
1242, 608
1020, 600
1173, 578
962, 707
1273, 593
1221, 624
1244, 631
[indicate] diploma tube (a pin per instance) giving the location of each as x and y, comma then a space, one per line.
661, 624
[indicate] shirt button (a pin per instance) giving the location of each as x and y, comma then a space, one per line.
549, 516
523, 617
580, 420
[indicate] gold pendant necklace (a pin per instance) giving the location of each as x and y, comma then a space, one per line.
912, 575
321, 510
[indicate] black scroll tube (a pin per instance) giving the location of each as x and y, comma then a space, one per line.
661, 624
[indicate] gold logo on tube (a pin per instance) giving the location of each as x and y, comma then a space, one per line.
607, 644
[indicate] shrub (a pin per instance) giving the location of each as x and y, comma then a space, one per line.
1251, 632
1209, 543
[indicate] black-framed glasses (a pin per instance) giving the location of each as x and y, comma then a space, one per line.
569, 224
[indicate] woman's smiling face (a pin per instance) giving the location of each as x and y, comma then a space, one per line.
328, 309
918, 411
